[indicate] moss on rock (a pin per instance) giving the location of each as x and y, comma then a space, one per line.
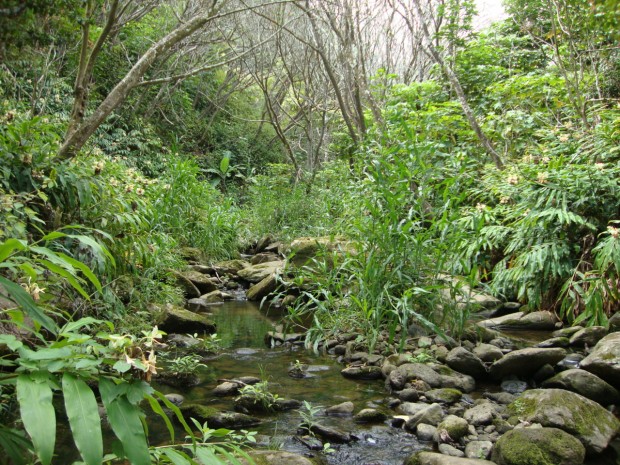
538, 446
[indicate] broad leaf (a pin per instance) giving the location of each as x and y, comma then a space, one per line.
83, 414
14, 444
38, 416
124, 417
10, 246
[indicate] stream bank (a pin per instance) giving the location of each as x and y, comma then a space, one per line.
459, 398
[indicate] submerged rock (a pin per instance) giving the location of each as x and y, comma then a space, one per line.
538, 446
217, 419
362, 372
583, 418
343, 409
370, 415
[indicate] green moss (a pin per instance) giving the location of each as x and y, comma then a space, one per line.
547, 446
200, 412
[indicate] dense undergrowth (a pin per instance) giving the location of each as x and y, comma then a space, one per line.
87, 243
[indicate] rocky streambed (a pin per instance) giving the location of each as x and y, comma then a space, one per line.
488, 399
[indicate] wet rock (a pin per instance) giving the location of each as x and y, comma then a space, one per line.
481, 414
554, 342
444, 395
274, 339
431, 415
411, 408
282, 404
327, 433
566, 332
451, 451
433, 458
604, 361
584, 383
226, 388
451, 429
175, 319
343, 409
204, 301
525, 362
569, 362
256, 273
424, 342
262, 289
450, 378
500, 397
409, 395
534, 321
488, 352
362, 372
583, 418
588, 336
514, 386
478, 449
538, 446
464, 361
216, 419
230, 266
277, 457
370, 415
543, 373
176, 399
426, 432
412, 371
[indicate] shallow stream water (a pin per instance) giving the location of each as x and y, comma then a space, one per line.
242, 327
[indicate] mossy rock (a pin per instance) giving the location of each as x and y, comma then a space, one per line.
444, 395
538, 446
174, 319
280, 457
583, 418
217, 419
303, 249
433, 458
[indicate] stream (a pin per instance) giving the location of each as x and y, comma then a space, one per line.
242, 327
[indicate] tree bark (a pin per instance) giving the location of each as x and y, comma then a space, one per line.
460, 93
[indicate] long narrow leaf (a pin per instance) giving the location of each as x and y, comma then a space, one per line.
160, 411
10, 246
176, 457
17, 294
69, 275
83, 268
38, 416
83, 414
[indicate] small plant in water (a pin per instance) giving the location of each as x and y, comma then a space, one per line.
309, 414
186, 365
208, 342
259, 393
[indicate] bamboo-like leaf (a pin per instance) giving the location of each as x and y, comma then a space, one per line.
83, 414
83, 268
17, 294
160, 411
176, 458
69, 275
177, 413
38, 416
14, 444
207, 456
124, 417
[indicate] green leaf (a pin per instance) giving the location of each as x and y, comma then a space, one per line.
94, 245
207, 456
224, 164
38, 416
10, 246
160, 411
176, 457
83, 414
10, 341
83, 268
121, 366
17, 294
53, 235
177, 413
69, 275
124, 417
14, 444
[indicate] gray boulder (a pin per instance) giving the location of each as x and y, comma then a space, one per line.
525, 362
538, 446
478, 449
488, 352
583, 418
604, 361
263, 288
256, 273
534, 321
451, 428
588, 336
430, 415
463, 361
584, 383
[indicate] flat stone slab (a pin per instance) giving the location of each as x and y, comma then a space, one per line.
534, 321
